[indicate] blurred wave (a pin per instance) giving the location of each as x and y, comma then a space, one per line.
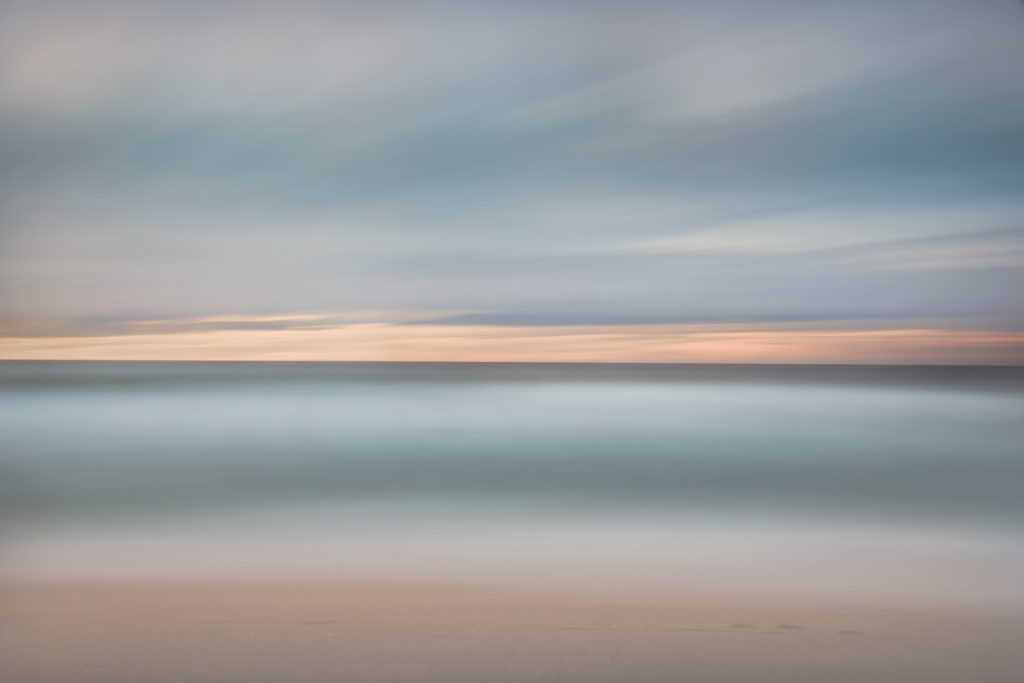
160, 438
337, 468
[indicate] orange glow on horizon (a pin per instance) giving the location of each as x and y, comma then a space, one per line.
703, 343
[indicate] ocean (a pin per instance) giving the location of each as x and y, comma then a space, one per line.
855, 483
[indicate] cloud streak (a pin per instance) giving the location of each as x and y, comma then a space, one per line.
565, 161
316, 340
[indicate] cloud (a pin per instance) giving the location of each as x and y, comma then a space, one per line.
682, 161
367, 341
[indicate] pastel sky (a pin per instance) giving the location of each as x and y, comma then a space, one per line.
643, 180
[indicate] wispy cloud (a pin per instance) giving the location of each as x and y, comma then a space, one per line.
681, 161
314, 339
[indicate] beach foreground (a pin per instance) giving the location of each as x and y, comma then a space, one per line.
257, 632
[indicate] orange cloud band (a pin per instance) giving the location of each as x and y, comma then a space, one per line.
619, 343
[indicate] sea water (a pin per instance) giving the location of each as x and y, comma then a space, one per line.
847, 482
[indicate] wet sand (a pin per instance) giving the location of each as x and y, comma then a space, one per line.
352, 632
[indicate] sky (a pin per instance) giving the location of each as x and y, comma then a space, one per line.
557, 180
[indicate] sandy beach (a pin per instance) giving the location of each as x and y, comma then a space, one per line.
158, 633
